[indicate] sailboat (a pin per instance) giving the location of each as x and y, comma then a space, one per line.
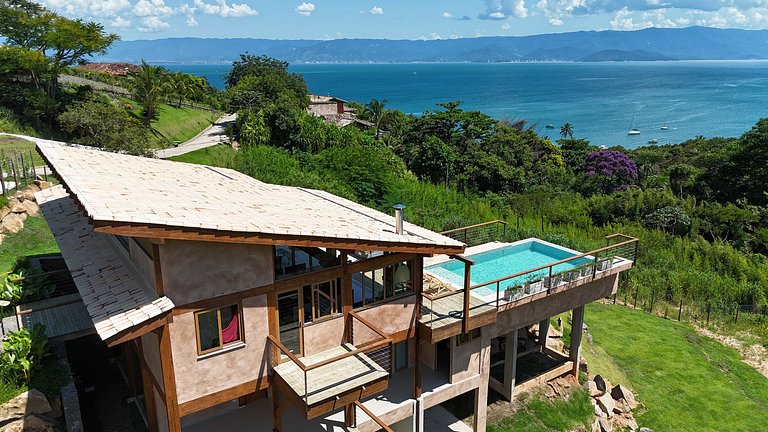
664, 125
633, 131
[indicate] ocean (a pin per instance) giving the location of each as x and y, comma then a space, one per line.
601, 100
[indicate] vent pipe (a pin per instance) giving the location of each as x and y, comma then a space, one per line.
399, 218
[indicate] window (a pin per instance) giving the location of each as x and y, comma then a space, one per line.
218, 328
382, 284
467, 337
290, 260
322, 300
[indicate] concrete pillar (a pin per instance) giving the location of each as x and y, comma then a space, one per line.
577, 325
510, 364
419, 415
481, 393
543, 332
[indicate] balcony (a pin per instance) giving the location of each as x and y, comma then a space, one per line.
456, 304
334, 378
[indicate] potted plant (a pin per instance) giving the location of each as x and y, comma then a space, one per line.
534, 284
604, 264
571, 275
586, 270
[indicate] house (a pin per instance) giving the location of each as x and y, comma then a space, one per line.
334, 111
244, 304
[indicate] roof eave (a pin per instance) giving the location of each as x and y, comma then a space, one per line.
194, 234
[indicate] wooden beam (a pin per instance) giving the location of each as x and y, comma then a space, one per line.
418, 274
467, 283
152, 324
346, 398
182, 233
158, 270
169, 380
222, 396
149, 392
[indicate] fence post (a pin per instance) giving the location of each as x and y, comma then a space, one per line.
23, 170
614, 298
737, 314
32, 164
680, 311
2, 176
653, 295
15, 172
708, 309
637, 291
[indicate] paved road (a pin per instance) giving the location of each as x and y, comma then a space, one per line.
211, 136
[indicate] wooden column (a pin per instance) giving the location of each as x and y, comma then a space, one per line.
543, 332
149, 392
418, 284
277, 423
158, 270
169, 380
510, 364
350, 415
467, 284
577, 324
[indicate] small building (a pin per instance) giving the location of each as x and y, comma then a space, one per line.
326, 105
240, 304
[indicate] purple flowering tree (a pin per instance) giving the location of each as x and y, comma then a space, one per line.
609, 170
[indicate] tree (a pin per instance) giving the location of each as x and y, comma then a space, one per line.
681, 175
181, 86
65, 42
749, 164
566, 131
376, 112
101, 123
148, 86
609, 170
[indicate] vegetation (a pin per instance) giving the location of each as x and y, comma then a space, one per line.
179, 124
685, 381
541, 415
34, 239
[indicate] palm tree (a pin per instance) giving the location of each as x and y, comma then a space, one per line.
182, 87
566, 131
376, 112
148, 86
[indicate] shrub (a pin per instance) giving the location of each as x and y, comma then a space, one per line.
23, 349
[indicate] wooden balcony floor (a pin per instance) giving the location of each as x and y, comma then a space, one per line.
333, 379
448, 311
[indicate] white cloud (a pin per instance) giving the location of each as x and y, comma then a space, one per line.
623, 20
447, 15
152, 24
377, 10
555, 21
503, 9
222, 9
88, 8
506, 26
156, 8
191, 21
120, 22
305, 9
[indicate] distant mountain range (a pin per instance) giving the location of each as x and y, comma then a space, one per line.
653, 44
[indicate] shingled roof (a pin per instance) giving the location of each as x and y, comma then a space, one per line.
116, 298
154, 198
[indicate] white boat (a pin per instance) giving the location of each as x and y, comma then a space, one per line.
550, 126
633, 131
653, 141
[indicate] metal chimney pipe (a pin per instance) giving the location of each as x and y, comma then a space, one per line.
399, 218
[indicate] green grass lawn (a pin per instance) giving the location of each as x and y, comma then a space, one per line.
540, 415
10, 146
182, 124
34, 239
686, 382
218, 155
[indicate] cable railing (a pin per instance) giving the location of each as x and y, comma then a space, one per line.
378, 348
364, 415
451, 304
477, 234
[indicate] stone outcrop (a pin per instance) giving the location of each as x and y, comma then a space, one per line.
20, 205
613, 406
29, 412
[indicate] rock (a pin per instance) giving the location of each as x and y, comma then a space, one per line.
600, 383
592, 388
606, 403
32, 423
16, 206
645, 429
29, 402
631, 424
42, 184
5, 211
621, 392
29, 192
32, 208
621, 407
13, 223
56, 408
599, 412
604, 425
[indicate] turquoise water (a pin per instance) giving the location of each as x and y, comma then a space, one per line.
599, 99
505, 261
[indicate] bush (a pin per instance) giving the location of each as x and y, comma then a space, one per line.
23, 350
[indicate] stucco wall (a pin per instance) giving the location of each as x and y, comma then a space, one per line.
194, 271
428, 355
392, 317
141, 261
551, 305
199, 377
465, 360
150, 345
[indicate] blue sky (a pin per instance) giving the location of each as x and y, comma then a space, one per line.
402, 19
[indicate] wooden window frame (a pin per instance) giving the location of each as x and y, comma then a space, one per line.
222, 346
386, 276
335, 299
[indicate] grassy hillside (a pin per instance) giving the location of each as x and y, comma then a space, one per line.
35, 239
175, 124
686, 382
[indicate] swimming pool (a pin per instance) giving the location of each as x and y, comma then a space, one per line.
506, 260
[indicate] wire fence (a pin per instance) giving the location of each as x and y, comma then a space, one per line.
18, 170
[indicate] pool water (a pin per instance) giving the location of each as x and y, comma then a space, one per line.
507, 260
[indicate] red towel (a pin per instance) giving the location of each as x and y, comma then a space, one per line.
231, 332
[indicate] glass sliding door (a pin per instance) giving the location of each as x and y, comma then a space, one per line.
289, 319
